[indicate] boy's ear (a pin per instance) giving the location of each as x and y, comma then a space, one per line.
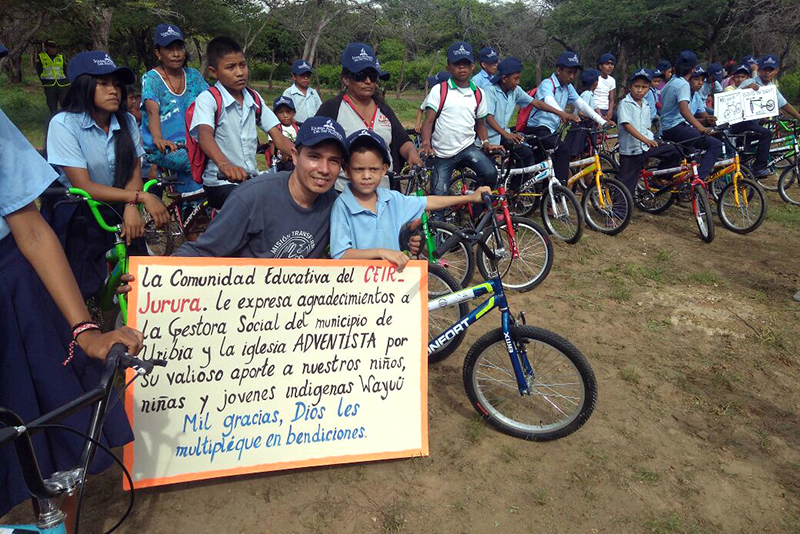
212, 72
385, 168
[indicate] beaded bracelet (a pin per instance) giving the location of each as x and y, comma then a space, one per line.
135, 201
77, 330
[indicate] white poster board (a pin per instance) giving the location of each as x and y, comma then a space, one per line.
745, 104
275, 364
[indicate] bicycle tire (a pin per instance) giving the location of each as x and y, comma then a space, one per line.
789, 185
769, 182
752, 212
441, 283
568, 224
526, 201
464, 181
530, 268
459, 259
716, 186
498, 400
608, 163
648, 201
616, 215
703, 215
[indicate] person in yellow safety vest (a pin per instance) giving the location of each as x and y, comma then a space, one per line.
51, 66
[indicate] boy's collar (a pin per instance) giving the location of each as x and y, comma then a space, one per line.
354, 207
227, 97
453, 85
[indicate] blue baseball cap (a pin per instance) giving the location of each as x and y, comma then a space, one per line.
382, 74
742, 68
283, 101
657, 73
488, 55
439, 77
370, 138
715, 71
166, 34
687, 58
316, 130
301, 66
699, 71
3, 51
770, 61
98, 63
641, 73
460, 51
606, 58
360, 56
568, 59
507, 67
748, 60
589, 76
663, 65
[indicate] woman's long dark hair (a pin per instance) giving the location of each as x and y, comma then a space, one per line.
80, 99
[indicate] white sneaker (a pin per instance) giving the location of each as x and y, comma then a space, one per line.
797, 296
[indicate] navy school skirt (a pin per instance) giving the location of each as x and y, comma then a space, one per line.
34, 342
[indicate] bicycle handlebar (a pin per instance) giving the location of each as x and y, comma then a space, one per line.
179, 145
221, 176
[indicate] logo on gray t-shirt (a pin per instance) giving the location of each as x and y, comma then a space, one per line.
297, 244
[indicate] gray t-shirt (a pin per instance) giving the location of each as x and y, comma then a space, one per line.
261, 220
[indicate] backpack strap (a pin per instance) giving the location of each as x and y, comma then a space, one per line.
478, 100
443, 90
218, 101
259, 104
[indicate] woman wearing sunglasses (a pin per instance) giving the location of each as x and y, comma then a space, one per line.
361, 106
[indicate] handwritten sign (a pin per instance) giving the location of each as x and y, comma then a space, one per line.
275, 364
745, 104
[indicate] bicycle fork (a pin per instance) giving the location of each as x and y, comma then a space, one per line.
429, 240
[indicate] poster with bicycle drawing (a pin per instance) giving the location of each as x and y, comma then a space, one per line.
745, 104
275, 364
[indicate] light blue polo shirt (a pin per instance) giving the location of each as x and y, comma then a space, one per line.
563, 94
75, 140
354, 226
501, 106
650, 99
483, 80
757, 80
697, 103
638, 116
588, 97
24, 174
706, 89
676, 90
306, 105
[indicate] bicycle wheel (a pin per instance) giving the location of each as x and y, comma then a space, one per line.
525, 202
563, 389
458, 260
464, 182
533, 260
789, 185
648, 198
441, 283
702, 213
614, 215
563, 217
742, 209
769, 181
608, 163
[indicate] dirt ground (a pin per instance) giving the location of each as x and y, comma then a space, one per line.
696, 430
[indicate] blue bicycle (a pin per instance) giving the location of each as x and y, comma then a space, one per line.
525, 381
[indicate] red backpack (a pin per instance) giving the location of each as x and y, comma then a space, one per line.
525, 113
444, 89
197, 158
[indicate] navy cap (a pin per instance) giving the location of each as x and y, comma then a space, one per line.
3, 51
98, 63
166, 34
316, 130
460, 51
715, 71
742, 68
663, 66
748, 60
368, 137
301, 66
488, 55
439, 77
568, 59
606, 58
687, 58
770, 61
657, 73
589, 76
283, 101
382, 74
641, 73
360, 56
507, 67
699, 71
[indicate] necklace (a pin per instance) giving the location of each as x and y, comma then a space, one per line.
169, 81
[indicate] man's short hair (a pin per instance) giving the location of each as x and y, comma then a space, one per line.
220, 46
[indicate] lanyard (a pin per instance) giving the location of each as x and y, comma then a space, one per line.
370, 125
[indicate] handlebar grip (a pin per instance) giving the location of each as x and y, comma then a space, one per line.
487, 199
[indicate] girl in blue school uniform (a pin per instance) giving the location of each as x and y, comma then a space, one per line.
167, 91
41, 315
95, 142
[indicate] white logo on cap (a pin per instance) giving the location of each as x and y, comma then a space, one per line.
573, 58
642, 72
304, 65
327, 128
170, 31
106, 61
363, 56
461, 51
769, 61
491, 53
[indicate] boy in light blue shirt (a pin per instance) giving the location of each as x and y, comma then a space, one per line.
488, 59
306, 99
636, 142
366, 219
698, 104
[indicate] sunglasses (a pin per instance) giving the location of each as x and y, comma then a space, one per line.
362, 76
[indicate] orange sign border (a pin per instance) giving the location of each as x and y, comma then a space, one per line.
128, 456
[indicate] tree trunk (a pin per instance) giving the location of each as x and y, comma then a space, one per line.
538, 69
203, 59
272, 69
402, 73
13, 68
12, 64
316, 70
101, 28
